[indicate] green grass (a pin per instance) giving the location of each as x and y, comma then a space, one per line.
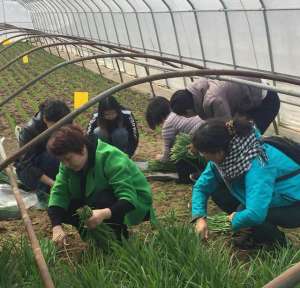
173, 256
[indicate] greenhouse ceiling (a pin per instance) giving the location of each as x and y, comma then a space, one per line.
259, 35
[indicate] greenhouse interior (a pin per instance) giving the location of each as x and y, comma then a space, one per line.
149, 143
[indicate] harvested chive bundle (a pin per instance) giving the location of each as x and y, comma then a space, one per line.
180, 151
156, 165
4, 178
100, 236
219, 223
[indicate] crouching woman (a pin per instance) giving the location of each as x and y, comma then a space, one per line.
99, 175
262, 183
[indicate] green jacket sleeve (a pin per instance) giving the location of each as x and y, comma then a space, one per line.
60, 195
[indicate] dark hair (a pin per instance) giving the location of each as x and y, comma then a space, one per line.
69, 138
215, 134
109, 103
54, 110
157, 111
181, 101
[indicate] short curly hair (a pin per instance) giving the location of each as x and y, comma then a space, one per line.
69, 138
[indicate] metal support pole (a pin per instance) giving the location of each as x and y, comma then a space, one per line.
62, 10
113, 20
114, 25
198, 31
119, 70
156, 32
4, 12
175, 32
270, 54
85, 14
52, 21
150, 82
127, 33
105, 30
229, 33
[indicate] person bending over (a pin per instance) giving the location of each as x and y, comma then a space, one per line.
159, 113
262, 183
214, 99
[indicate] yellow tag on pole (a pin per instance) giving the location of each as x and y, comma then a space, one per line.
25, 59
80, 98
6, 42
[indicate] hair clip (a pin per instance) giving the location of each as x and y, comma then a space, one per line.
230, 127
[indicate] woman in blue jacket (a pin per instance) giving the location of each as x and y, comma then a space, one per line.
259, 197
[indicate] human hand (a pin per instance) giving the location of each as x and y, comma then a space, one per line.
158, 157
99, 215
47, 180
59, 237
230, 217
202, 228
191, 149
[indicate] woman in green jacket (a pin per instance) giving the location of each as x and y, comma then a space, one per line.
99, 175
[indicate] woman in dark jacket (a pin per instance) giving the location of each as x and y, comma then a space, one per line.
37, 168
115, 125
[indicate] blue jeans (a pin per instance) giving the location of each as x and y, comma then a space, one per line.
118, 138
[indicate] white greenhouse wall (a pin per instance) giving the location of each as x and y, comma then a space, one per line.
12, 12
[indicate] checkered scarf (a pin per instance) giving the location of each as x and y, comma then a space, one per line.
241, 151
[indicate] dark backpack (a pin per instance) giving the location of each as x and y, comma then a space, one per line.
289, 147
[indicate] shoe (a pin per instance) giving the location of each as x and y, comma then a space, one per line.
247, 240
244, 240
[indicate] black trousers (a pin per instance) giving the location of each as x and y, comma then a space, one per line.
44, 161
265, 114
267, 232
104, 199
184, 169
